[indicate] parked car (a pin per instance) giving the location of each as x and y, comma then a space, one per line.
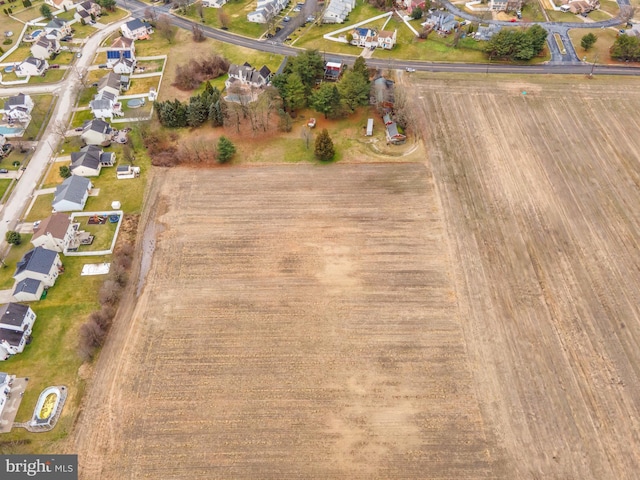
36, 224
54, 66
4, 170
310, 18
104, 65
297, 9
286, 19
78, 55
409, 69
66, 39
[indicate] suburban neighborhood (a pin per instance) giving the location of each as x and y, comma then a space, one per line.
238, 193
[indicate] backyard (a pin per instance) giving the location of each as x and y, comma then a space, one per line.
237, 13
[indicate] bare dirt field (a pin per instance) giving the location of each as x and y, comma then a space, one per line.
473, 316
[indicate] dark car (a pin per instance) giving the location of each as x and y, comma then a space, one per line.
54, 66
269, 35
4, 170
104, 65
66, 39
278, 29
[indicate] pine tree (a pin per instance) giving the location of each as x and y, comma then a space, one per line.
324, 149
326, 99
360, 66
296, 96
197, 112
226, 150
216, 113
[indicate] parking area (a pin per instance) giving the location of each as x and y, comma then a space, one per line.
8, 415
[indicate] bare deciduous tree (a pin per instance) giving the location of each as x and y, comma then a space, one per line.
165, 28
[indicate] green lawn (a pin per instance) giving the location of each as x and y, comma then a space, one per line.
156, 45
80, 117
9, 24
13, 257
52, 75
600, 49
19, 54
86, 95
64, 58
40, 113
83, 31
610, 7
4, 185
599, 15
435, 48
142, 85
15, 156
237, 12
563, 17
532, 12
110, 17
68, 15
102, 234
41, 208
28, 14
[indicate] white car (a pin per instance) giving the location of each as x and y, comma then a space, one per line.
409, 69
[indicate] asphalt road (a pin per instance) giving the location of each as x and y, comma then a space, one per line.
567, 63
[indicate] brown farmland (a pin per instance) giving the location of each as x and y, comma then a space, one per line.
471, 317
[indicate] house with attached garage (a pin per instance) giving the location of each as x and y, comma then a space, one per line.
89, 161
97, 132
17, 109
87, 11
248, 76
16, 324
213, 3
363, 37
441, 21
32, 67
338, 10
124, 66
71, 195
121, 47
38, 269
60, 4
387, 39
136, 29
57, 28
105, 104
266, 10
45, 47
54, 233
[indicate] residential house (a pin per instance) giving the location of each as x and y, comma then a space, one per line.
16, 324
333, 70
31, 67
45, 47
266, 10
136, 29
38, 269
5, 388
213, 3
54, 233
580, 6
105, 105
442, 21
382, 93
485, 33
124, 66
393, 135
109, 83
71, 195
387, 39
87, 11
338, 10
97, 132
246, 75
60, 4
387, 120
89, 161
505, 5
363, 37
122, 47
57, 28
17, 109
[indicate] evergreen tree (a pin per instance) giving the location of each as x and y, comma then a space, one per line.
226, 150
308, 66
326, 99
588, 41
13, 238
64, 171
324, 149
626, 48
360, 66
197, 112
284, 122
45, 11
296, 96
216, 113
354, 89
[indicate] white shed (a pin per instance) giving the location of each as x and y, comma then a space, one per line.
369, 127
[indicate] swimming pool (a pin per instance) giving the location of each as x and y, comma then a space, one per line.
11, 131
8, 69
35, 33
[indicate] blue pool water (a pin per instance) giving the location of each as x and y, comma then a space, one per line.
35, 33
8, 69
10, 131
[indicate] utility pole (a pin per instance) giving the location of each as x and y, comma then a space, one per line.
593, 65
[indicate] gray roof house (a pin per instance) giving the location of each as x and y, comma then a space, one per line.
97, 132
16, 323
71, 195
38, 269
441, 21
89, 161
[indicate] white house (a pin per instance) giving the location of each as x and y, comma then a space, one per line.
363, 37
124, 66
17, 109
60, 4
136, 29
248, 76
122, 47
5, 388
57, 28
387, 39
338, 10
71, 195
16, 323
38, 269
127, 171
31, 67
213, 3
105, 105
45, 47
266, 10
441, 21
97, 132
54, 233
89, 161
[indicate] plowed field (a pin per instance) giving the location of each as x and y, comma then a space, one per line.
474, 316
